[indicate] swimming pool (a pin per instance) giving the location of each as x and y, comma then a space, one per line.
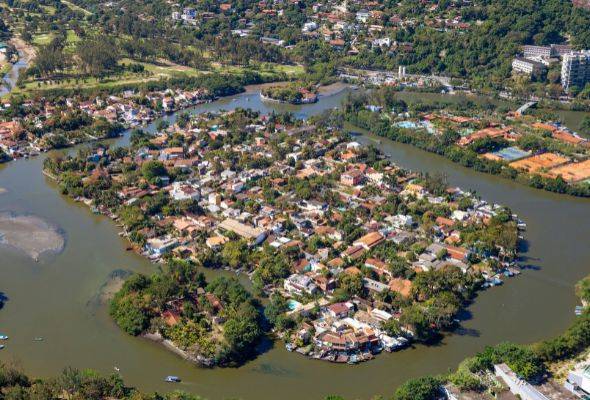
293, 304
407, 125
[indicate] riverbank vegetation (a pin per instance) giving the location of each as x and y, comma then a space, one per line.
539, 153
293, 93
531, 362
215, 323
74, 384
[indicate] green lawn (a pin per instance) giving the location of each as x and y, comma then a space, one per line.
164, 70
71, 37
76, 7
48, 9
5, 68
264, 69
42, 39
155, 72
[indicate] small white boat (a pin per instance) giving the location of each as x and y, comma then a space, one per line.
172, 379
117, 369
3, 337
2, 346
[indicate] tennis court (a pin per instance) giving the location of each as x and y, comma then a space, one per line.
511, 154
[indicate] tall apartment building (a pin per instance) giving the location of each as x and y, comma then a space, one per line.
575, 69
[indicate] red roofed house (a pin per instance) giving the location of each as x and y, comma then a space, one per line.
171, 318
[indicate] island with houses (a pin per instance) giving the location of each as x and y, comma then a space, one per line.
347, 254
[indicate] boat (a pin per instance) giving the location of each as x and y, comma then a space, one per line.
2, 346
172, 379
3, 337
38, 339
117, 369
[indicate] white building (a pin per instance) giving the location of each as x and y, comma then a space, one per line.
299, 285
578, 380
518, 386
382, 42
160, 246
184, 191
554, 50
362, 16
575, 69
310, 26
528, 67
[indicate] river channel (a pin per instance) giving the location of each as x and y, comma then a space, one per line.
55, 297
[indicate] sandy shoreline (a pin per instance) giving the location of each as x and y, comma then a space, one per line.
30, 234
198, 360
332, 89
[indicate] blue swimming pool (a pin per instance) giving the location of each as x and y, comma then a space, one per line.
293, 305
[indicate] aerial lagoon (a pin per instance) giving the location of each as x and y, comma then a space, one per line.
56, 298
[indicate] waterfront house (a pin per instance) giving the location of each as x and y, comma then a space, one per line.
160, 246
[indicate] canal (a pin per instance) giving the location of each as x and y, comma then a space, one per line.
55, 298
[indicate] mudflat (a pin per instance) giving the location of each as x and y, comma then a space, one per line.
30, 234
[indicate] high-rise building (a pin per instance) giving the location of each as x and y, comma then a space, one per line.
575, 69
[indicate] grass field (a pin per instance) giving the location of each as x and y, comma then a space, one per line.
165, 69
71, 37
48, 9
152, 72
5, 67
264, 69
42, 39
76, 7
